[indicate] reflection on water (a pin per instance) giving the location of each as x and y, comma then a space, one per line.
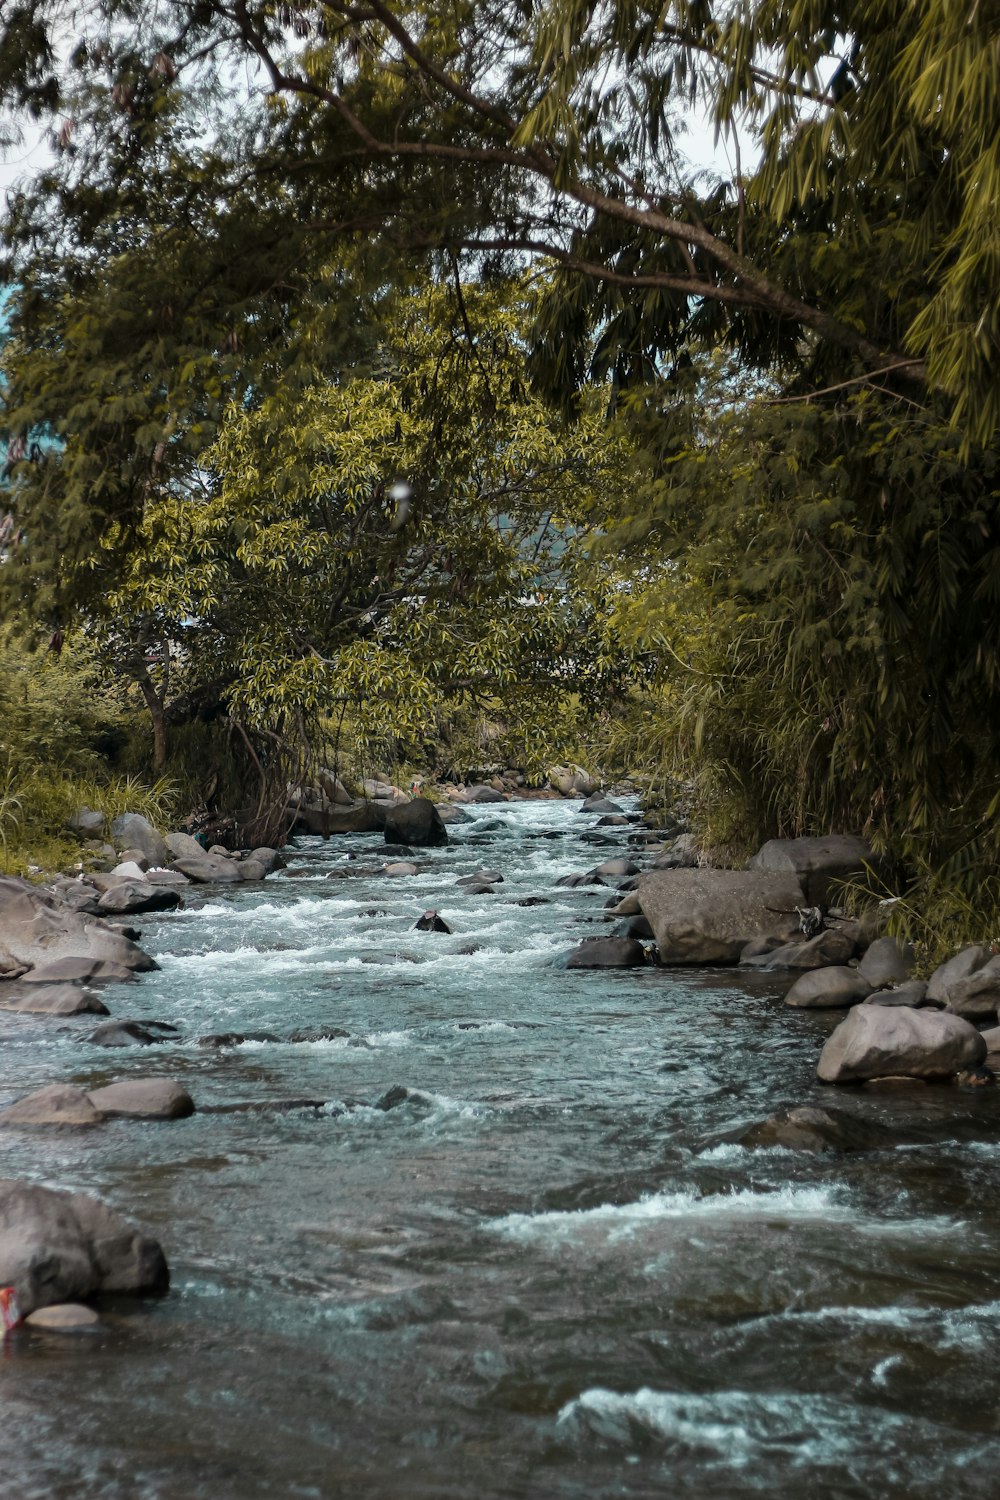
476, 1225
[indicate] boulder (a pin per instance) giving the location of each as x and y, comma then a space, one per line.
363, 817
613, 820
131, 1034
607, 953
270, 859
184, 846
79, 896
59, 1104
826, 948
62, 1317
57, 1247
129, 869
597, 802
79, 971
616, 869
130, 897
808, 1128
481, 877
628, 906
817, 862
144, 1099
87, 823
572, 781
878, 1041
822, 989
400, 867
634, 927
209, 869
709, 916
480, 793
886, 962
682, 854
416, 823
166, 877
237, 1038
133, 831
35, 930
450, 812
585, 877
334, 789
431, 921
977, 998
969, 961
51, 1000
912, 992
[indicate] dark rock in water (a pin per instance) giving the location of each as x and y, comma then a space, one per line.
431, 921
481, 877
976, 1078
450, 812
811, 1129
319, 1034
634, 927
613, 820
415, 823
481, 888
235, 1038
709, 916
392, 1098
570, 882
59, 1247
274, 1107
397, 851
131, 1034
532, 901
491, 825
603, 806
373, 911
481, 793
607, 953
364, 817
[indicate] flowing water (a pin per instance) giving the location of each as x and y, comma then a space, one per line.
549, 1270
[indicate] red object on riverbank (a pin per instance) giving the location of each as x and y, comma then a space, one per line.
10, 1313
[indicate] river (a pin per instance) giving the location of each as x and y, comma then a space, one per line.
549, 1270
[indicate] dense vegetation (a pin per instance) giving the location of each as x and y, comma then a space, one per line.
741, 434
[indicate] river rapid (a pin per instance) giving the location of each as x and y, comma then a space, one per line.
549, 1270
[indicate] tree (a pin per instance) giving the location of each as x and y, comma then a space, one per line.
550, 131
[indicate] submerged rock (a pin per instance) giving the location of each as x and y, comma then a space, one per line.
808, 1128
131, 1034
431, 921
607, 953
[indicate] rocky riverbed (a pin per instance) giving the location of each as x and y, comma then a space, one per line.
452, 1216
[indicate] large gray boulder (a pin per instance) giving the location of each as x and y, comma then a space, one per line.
607, 953
183, 845
887, 961
877, 1041
87, 823
133, 831
51, 1000
977, 997
58, 1247
817, 862
969, 961
416, 823
144, 1099
709, 916
36, 930
132, 897
826, 948
828, 989
59, 1104
479, 793
209, 869
572, 781
363, 817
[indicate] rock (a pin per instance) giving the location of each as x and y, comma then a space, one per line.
628, 906
62, 1317
236, 1038
87, 823
184, 846
319, 1034
977, 998
269, 859
810, 1129
616, 869
130, 897
878, 1041
58, 1247
964, 964
480, 793
481, 877
826, 948
572, 781
59, 1104
431, 921
334, 789
166, 877
682, 854
598, 802
133, 831
400, 867
570, 882
129, 869
976, 1078
364, 817
79, 971
828, 988
709, 916
912, 992
416, 823
817, 862
531, 901
481, 888
36, 931
144, 1099
79, 896
613, 820
131, 1034
51, 1000
607, 953
886, 962
634, 927
392, 1098
209, 869
450, 812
